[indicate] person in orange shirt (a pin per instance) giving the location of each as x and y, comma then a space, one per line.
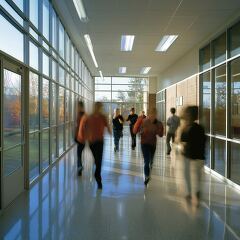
149, 128
92, 129
79, 139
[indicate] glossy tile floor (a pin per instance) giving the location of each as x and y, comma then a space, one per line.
65, 206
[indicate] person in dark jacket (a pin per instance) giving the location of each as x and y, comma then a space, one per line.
173, 123
149, 129
193, 141
132, 118
117, 122
80, 140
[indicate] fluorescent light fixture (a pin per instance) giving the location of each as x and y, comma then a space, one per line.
127, 42
122, 69
145, 70
165, 43
80, 10
100, 72
90, 48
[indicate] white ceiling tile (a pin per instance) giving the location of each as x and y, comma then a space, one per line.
149, 20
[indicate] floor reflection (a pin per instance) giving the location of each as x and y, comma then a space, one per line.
64, 206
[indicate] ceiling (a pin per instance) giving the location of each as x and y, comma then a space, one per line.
149, 21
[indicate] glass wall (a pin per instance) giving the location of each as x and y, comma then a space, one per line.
220, 102
122, 92
161, 106
58, 77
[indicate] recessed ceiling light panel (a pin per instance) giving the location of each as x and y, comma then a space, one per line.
127, 42
145, 70
122, 70
165, 43
90, 48
80, 10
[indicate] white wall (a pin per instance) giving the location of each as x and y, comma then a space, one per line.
181, 69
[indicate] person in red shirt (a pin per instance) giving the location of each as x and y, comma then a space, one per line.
92, 129
149, 128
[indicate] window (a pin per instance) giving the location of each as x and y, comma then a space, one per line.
33, 55
67, 49
72, 57
61, 139
54, 70
19, 3
103, 87
219, 156
219, 49
235, 160
11, 40
54, 143
12, 12
103, 96
33, 155
46, 19
234, 40
45, 60
235, 99
54, 29
61, 40
204, 58
61, 103
67, 106
45, 103
33, 102
61, 76
54, 104
45, 149
205, 106
33, 15
220, 101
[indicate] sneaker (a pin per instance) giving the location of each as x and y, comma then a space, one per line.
147, 179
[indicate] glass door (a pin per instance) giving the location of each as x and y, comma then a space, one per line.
12, 132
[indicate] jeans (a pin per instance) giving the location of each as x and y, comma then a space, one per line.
169, 137
117, 135
97, 151
148, 152
80, 147
133, 136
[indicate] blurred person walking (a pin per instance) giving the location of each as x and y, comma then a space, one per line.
117, 122
132, 118
79, 138
173, 123
193, 141
149, 128
143, 114
93, 128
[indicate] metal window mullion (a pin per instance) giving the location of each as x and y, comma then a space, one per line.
26, 128
212, 118
16, 9
40, 27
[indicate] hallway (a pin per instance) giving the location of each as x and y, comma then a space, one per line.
64, 206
